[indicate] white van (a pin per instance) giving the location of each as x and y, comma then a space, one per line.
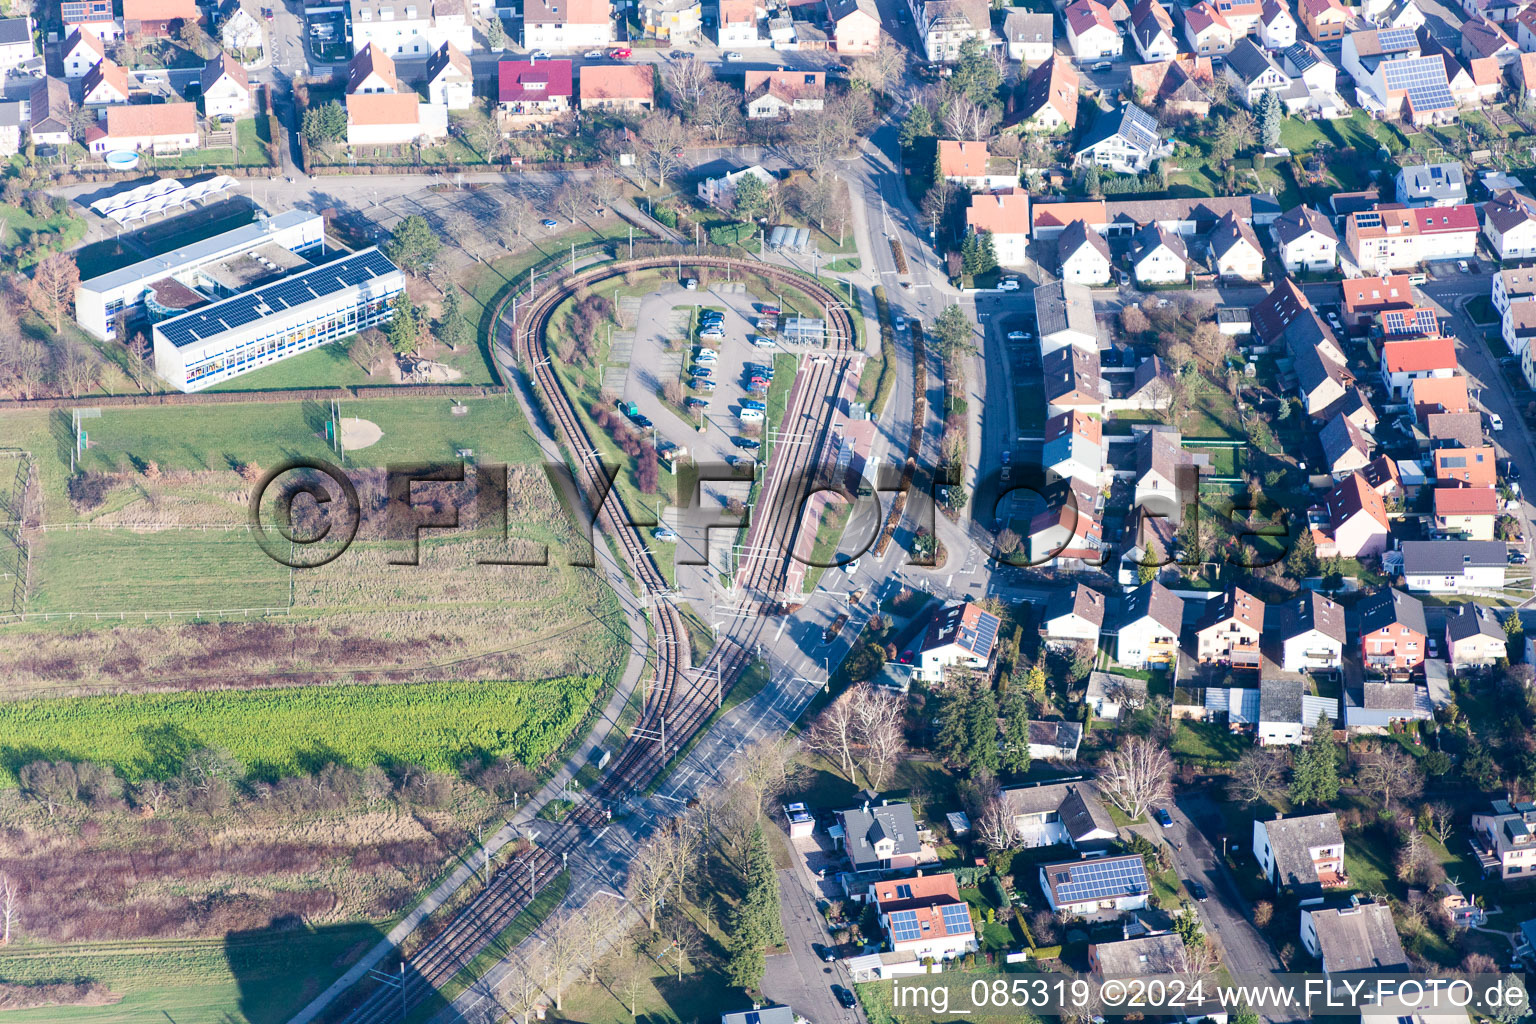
751, 416
707, 355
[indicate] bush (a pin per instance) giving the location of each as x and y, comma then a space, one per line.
666, 216
1047, 953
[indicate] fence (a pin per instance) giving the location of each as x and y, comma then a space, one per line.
137, 616
354, 391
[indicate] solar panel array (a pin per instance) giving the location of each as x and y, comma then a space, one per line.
904, 926
1103, 879
1368, 219
1423, 79
986, 632
248, 307
957, 918
1392, 40
1139, 126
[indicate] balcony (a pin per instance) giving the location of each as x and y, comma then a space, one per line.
1487, 856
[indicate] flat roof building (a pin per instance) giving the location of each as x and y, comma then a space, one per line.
277, 320
99, 300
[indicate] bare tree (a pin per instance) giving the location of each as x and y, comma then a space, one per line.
1389, 773
1200, 959
682, 942
606, 186
1440, 819
662, 138
716, 110
686, 79
650, 876
994, 825
9, 897
766, 768
597, 924
1136, 775
369, 350
515, 221
79, 369
52, 287
832, 735
880, 716
881, 68
629, 978
1256, 776
968, 120
522, 985
574, 200
563, 948
1415, 860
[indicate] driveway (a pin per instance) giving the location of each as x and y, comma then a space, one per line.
797, 977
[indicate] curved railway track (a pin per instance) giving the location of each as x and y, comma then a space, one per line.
676, 705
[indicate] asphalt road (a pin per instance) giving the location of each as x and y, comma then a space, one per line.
797, 977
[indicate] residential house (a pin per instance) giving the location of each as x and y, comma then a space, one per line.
1306, 241
158, 19
81, 52
617, 87
1167, 475
226, 89
12, 117
1389, 238
679, 21
1252, 72
1120, 218
161, 128
1150, 627
1518, 326
16, 46
855, 26
1465, 513
239, 31
1073, 381
1230, 628
451, 78
1400, 14
1324, 20
393, 119
1524, 71
1242, 15
1152, 31
1091, 33
1281, 718
534, 90
881, 837
1504, 839
1465, 467
1474, 638
1064, 814
945, 24
1510, 286
1481, 38
1158, 256
1303, 855
1321, 379
1151, 386
1109, 885
1472, 81
1409, 322
738, 24
1234, 250
93, 16
1358, 526
1064, 315
1083, 256
924, 917
779, 94
1073, 616
1285, 304
1431, 185
49, 109
1004, 213
1177, 86
721, 192
960, 634
1408, 359
1277, 27
1069, 533
104, 84
1365, 297
1359, 938
1312, 633
1395, 77
1305, 63
1108, 694
1428, 395
1207, 31
1050, 97
1028, 36
1346, 448
1454, 429
1392, 631
372, 71
1055, 741
1509, 222
1157, 953
566, 24
1074, 447
1454, 566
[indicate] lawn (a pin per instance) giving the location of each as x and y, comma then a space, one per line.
1209, 741
292, 730
18, 226
252, 978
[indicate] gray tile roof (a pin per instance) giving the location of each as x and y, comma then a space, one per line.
1069, 368
1376, 695
14, 30
1248, 61
1314, 611
1359, 938
1082, 600
1280, 700
1065, 736
1440, 182
1339, 435
1072, 238
1292, 841
865, 826
1155, 600
1150, 954
1153, 235
1470, 620
1392, 607
1451, 557
1077, 804
1298, 222
1060, 306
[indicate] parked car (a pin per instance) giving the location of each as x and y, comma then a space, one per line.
665, 533
901, 323
1103, 65
679, 55
1461, 265
1434, 647
641, 421
540, 55
758, 382
1015, 335
746, 444
770, 311
1197, 891
762, 342
693, 402
1162, 817
702, 384
844, 997
733, 55
622, 53
706, 355
851, 567
749, 404
750, 415
823, 954
1009, 285
592, 54
1495, 421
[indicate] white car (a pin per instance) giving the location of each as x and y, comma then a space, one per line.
1461, 265
592, 54
733, 55
706, 355
540, 55
901, 323
1010, 285
1495, 421
1017, 336
851, 567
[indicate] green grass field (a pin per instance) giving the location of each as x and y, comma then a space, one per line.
262, 978
286, 731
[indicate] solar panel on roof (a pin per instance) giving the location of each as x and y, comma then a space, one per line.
1096, 880
1369, 219
957, 918
1390, 39
904, 926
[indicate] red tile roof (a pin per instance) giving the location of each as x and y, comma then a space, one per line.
1370, 294
1466, 501
531, 81
962, 159
1004, 212
1419, 355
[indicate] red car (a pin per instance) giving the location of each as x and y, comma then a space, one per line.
771, 311
619, 54
759, 382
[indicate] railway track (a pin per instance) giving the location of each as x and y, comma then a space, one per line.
679, 702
